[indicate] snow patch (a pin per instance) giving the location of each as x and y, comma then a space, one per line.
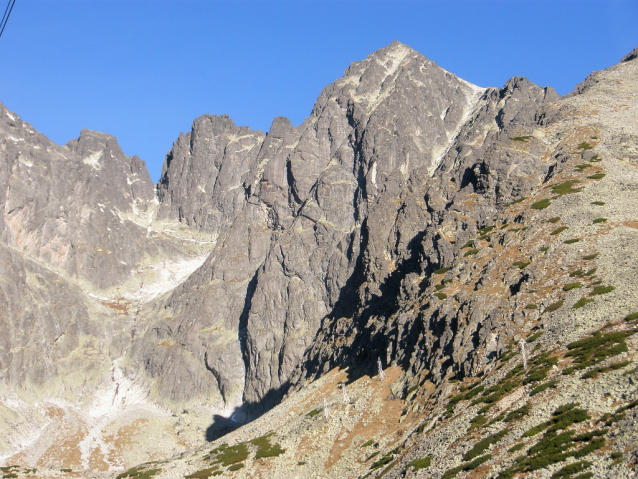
169, 274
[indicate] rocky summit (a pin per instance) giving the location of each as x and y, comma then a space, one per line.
424, 279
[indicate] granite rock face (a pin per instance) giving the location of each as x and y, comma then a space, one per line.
261, 261
81, 208
308, 204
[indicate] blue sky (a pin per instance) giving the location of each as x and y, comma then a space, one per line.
142, 70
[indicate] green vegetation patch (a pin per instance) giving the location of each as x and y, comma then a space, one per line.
601, 290
585, 146
572, 241
543, 387
203, 474
478, 421
582, 302
521, 264
596, 348
368, 443
619, 414
631, 317
555, 219
265, 448
566, 188
470, 466
520, 200
471, 252
441, 296
595, 159
559, 230
474, 390
583, 166
235, 467
137, 473
599, 220
469, 244
441, 271
534, 336
598, 203
544, 249
232, 455
541, 205
517, 413
520, 138
388, 458
481, 446
496, 392
517, 447
571, 469
531, 306
420, 463
554, 306
314, 412
597, 176
604, 369
590, 256
555, 446
570, 286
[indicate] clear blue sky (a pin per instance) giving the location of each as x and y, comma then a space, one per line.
142, 70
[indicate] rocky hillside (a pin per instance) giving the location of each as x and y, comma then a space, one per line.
476, 243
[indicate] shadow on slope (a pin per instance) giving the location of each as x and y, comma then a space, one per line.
248, 412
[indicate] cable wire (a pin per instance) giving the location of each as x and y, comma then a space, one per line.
5, 17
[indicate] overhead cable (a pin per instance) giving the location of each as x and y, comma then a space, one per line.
5, 17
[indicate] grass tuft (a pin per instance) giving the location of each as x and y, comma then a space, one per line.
565, 188
601, 290
541, 205
554, 306
420, 463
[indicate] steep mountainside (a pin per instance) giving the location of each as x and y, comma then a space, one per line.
414, 221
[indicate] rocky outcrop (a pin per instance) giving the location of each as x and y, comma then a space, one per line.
82, 208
